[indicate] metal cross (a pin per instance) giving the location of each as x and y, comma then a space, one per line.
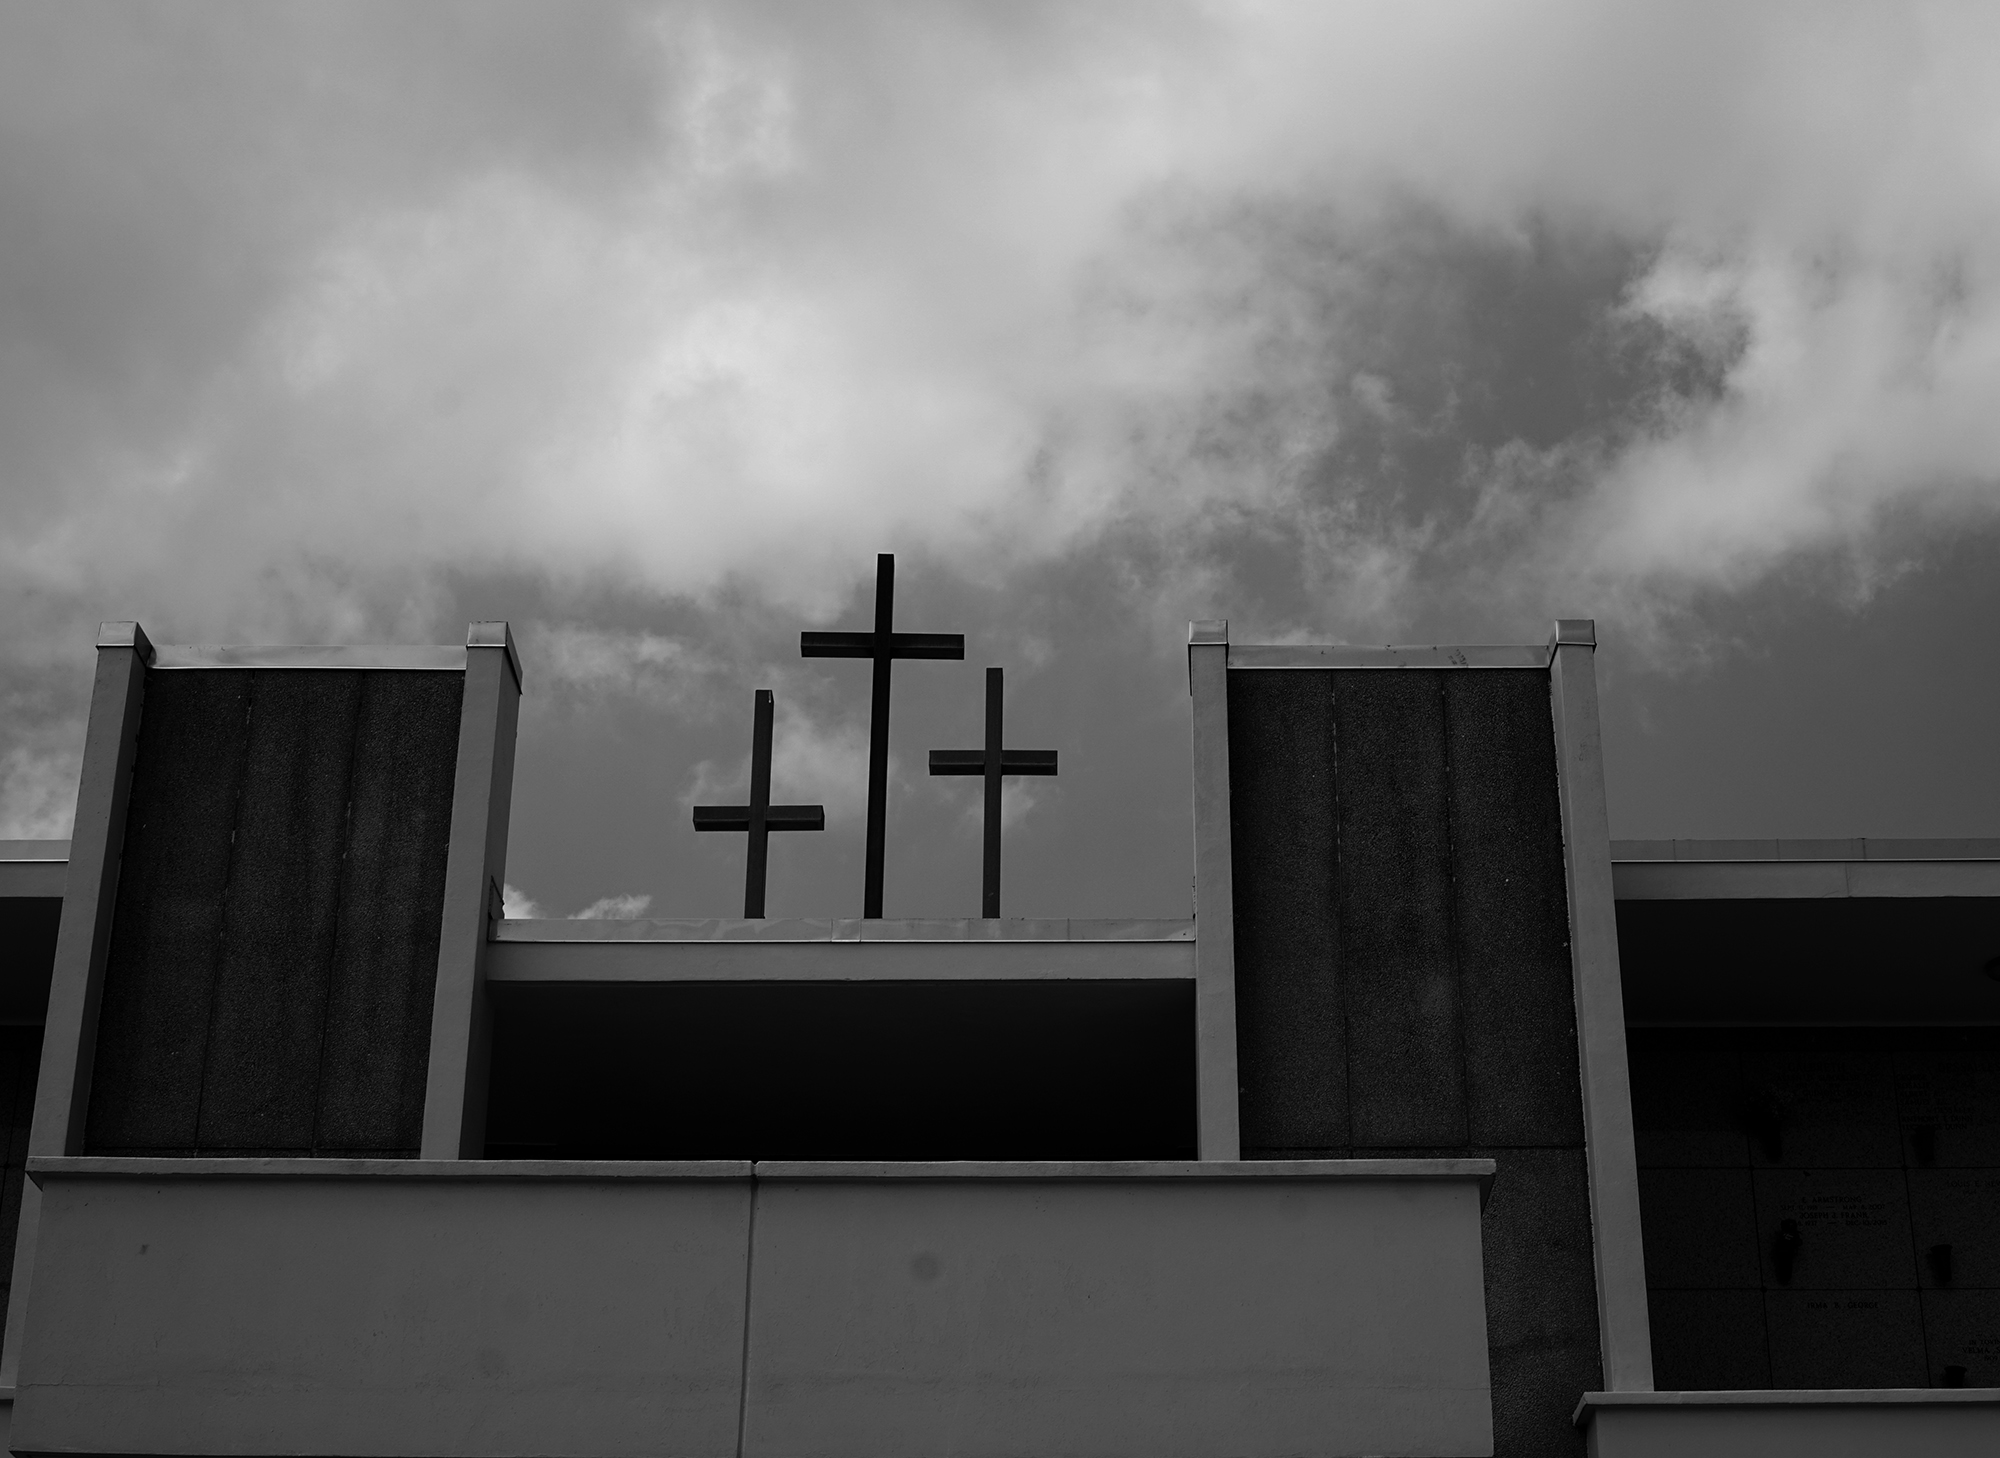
992, 762
760, 817
884, 645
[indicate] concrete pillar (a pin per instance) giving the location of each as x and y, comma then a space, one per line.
1625, 1337
461, 1026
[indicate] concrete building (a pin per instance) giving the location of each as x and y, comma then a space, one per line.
1444, 1126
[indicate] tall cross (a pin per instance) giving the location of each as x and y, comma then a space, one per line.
884, 646
993, 761
760, 817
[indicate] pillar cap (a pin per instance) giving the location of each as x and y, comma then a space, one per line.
1574, 632
494, 633
126, 635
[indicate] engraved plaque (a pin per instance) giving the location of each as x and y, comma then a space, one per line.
1826, 1110
1962, 1329
1848, 1228
1949, 1105
1845, 1339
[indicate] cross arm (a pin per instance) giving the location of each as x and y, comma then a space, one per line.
927, 645
837, 645
778, 817
1012, 762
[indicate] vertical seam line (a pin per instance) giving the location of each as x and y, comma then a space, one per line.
743, 1364
222, 914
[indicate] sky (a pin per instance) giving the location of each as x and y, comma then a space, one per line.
646, 327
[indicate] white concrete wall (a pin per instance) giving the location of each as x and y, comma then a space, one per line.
465, 1307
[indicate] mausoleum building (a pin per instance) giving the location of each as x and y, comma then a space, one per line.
1444, 1125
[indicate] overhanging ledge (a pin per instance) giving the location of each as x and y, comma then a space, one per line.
1840, 1423
128, 1167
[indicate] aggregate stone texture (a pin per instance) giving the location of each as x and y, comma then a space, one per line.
1291, 1034
274, 946
1403, 976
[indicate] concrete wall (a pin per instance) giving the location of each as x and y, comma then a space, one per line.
463, 1307
1870, 1424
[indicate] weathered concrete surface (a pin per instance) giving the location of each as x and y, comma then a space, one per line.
1164, 1316
1882, 1423
363, 1307
381, 1314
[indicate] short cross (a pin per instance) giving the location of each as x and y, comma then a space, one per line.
992, 762
760, 817
884, 645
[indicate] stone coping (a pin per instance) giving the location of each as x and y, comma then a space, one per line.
124, 1167
34, 850
1789, 1397
1859, 848
855, 929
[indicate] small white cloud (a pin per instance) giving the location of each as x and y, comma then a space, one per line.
516, 905
614, 908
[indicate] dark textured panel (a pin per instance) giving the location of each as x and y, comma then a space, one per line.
261, 1088
1962, 1329
1399, 988
1949, 1104
378, 1029
1687, 1104
857, 1070
1511, 911
1541, 1299
1850, 1228
1708, 1341
1290, 1037
1700, 1228
28, 928
1845, 1338
166, 935
21, 1055
1959, 1208
1823, 1108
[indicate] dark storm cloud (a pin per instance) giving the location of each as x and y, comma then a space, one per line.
1354, 314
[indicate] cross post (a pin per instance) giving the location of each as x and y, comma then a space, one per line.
992, 762
883, 646
760, 817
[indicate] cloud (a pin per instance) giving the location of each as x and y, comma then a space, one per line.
517, 905
310, 312
613, 908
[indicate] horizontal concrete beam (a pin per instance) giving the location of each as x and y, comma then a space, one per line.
1754, 880
1855, 848
845, 929
387, 656
512, 962
1867, 1423
1318, 655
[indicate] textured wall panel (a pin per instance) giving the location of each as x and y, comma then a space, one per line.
1393, 899
1290, 1031
166, 935
260, 1088
378, 1033
1511, 911
274, 950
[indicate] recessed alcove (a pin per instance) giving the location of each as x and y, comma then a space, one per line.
851, 1070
